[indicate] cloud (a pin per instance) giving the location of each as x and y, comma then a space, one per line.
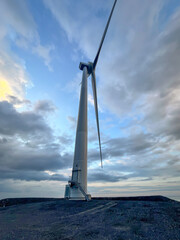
29, 157
26, 123
45, 53
132, 145
30, 176
67, 15
104, 177
18, 17
28, 147
146, 83
45, 106
15, 101
13, 77
17, 27
117, 148
65, 140
139, 156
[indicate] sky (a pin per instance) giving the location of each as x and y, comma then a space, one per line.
138, 89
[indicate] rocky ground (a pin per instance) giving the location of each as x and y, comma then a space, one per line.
155, 218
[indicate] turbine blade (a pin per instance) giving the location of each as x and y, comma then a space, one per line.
93, 79
103, 37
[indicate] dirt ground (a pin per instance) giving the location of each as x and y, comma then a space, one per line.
96, 219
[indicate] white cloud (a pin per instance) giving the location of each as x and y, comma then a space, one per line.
78, 23
45, 53
90, 99
18, 25
13, 76
15, 15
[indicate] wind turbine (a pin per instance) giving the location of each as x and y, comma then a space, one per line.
77, 186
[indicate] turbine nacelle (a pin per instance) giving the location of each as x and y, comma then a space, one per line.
89, 66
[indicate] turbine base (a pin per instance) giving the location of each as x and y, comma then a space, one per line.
76, 193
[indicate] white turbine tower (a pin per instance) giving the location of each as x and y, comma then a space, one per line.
77, 186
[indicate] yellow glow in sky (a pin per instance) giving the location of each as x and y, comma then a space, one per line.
5, 90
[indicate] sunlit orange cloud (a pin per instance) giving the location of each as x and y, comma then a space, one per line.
5, 90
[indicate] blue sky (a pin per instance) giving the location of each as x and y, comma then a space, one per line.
138, 85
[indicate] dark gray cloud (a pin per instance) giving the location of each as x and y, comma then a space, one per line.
155, 72
25, 123
132, 145
104, 177
139, 156
44, 106
15, 155
30, 175
28, 147
124, 146
16, 101
65, 140
148, 165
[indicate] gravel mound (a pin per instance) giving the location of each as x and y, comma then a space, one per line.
102, 218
